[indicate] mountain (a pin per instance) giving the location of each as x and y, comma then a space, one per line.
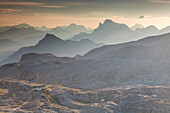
145, 61
113, 33
69, 31
43, 28
5, 28
109, 32
27, 36
57, 46
136, 26
148, 31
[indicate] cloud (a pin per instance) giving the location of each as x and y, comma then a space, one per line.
160, 1
9, 10
31, 4
144, 16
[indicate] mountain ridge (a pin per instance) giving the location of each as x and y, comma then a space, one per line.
137, 62
111, 32
57, 46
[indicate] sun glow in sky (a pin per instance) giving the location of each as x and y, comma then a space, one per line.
90, 13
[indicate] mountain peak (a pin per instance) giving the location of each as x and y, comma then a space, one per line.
108, 21
152, 27
137, 26
51, 36
73, 24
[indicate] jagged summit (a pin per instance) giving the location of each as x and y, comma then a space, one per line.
49, 39
51, 36
52, 44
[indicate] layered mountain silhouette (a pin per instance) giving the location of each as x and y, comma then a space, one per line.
113, 33
108, 32
23, 25
145, 61
69, 31
57, 46
29, 35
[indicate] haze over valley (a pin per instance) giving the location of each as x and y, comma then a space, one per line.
70, 56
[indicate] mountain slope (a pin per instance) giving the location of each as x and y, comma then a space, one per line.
141, 62
5, 54
57, 46
7, 45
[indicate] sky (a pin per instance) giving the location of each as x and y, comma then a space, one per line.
89, 13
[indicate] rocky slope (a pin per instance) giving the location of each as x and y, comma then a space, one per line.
19, 96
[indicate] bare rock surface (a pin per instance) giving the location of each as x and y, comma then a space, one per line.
87, 73
19, 97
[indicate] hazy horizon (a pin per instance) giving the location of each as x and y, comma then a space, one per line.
66, 25
88, 13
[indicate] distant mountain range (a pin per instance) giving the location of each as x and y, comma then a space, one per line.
14, 37
69, 31
145, 61
56, 46
113, 33
64, 32
109, 32
23, 25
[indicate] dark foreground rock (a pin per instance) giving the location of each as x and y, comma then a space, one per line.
20, 97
